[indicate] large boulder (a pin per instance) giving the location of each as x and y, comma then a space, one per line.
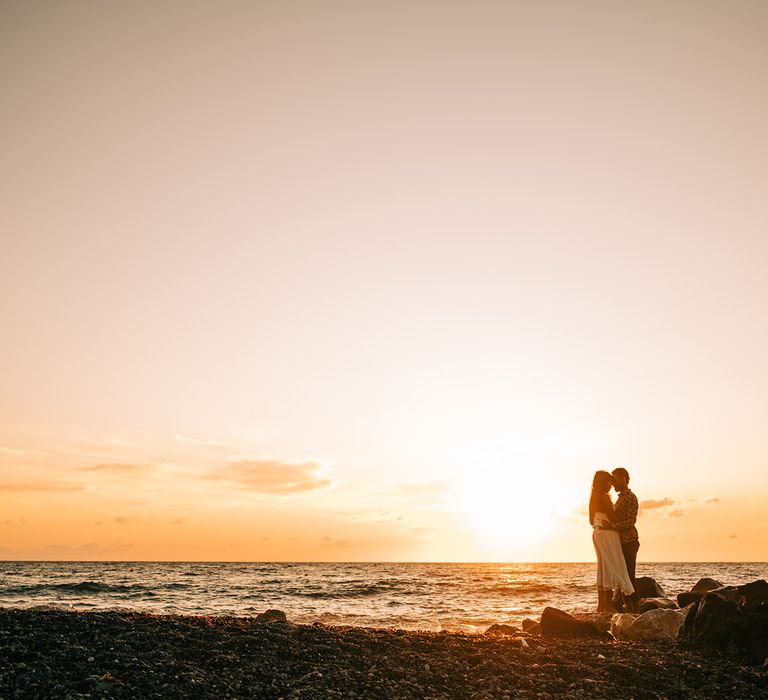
724, 626
647, 604
654, 625
646, 587
703, 585
561, 625
724, 592
753, 595
685, 599
749, 595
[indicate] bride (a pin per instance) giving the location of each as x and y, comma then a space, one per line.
611, 567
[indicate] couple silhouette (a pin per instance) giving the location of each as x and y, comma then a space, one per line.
615, 538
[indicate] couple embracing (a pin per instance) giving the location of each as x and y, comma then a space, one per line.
615, 538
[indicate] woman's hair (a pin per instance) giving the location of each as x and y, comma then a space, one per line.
601, 483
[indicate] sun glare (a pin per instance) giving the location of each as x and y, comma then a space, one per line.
499, 492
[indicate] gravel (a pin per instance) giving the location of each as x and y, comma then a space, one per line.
61, 654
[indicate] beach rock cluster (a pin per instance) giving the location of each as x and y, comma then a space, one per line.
731, 620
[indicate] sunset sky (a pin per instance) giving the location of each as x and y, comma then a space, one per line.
381, 280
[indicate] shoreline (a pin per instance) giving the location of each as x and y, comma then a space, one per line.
73, 654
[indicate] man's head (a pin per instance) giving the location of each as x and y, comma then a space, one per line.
620, 479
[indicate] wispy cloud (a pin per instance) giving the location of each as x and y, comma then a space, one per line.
653, 503
20, 453
120, 468
63, 552
677, 508
272, 476
41, 485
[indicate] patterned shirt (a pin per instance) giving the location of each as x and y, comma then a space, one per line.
625, 516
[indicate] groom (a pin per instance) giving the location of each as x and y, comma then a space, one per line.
624, 518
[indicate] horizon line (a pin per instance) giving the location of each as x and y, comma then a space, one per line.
313, 561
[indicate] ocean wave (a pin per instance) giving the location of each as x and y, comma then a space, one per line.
90, 587
353, 592
521, 587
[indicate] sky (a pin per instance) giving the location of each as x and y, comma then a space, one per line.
366, 281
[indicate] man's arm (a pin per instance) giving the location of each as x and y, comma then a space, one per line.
625, 515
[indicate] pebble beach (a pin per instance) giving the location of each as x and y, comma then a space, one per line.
47, 653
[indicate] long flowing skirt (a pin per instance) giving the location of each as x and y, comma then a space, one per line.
611, 566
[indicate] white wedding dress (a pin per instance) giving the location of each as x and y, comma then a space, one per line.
611, 567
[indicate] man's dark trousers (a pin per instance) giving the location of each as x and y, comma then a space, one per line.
630, 557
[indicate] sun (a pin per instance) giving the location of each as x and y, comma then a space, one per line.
503, 505
508, 494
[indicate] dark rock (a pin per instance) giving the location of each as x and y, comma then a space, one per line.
753, 595
724, 592
646, 587
724, 626
647, 604
561, 625
271, 616
502, 629
706, 584
529, 624
684, 599
535, 628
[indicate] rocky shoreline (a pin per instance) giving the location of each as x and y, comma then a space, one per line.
59, 654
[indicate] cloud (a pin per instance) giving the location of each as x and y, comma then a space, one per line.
120, 468
733, 537
63, 552
652, 503
41, 485
15, 452
272, 476
680, 507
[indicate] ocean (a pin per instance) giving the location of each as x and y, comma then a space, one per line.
452, 596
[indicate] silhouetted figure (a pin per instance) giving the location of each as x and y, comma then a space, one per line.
624, 519
611, 566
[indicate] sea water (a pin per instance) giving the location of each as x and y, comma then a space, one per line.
451, 596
